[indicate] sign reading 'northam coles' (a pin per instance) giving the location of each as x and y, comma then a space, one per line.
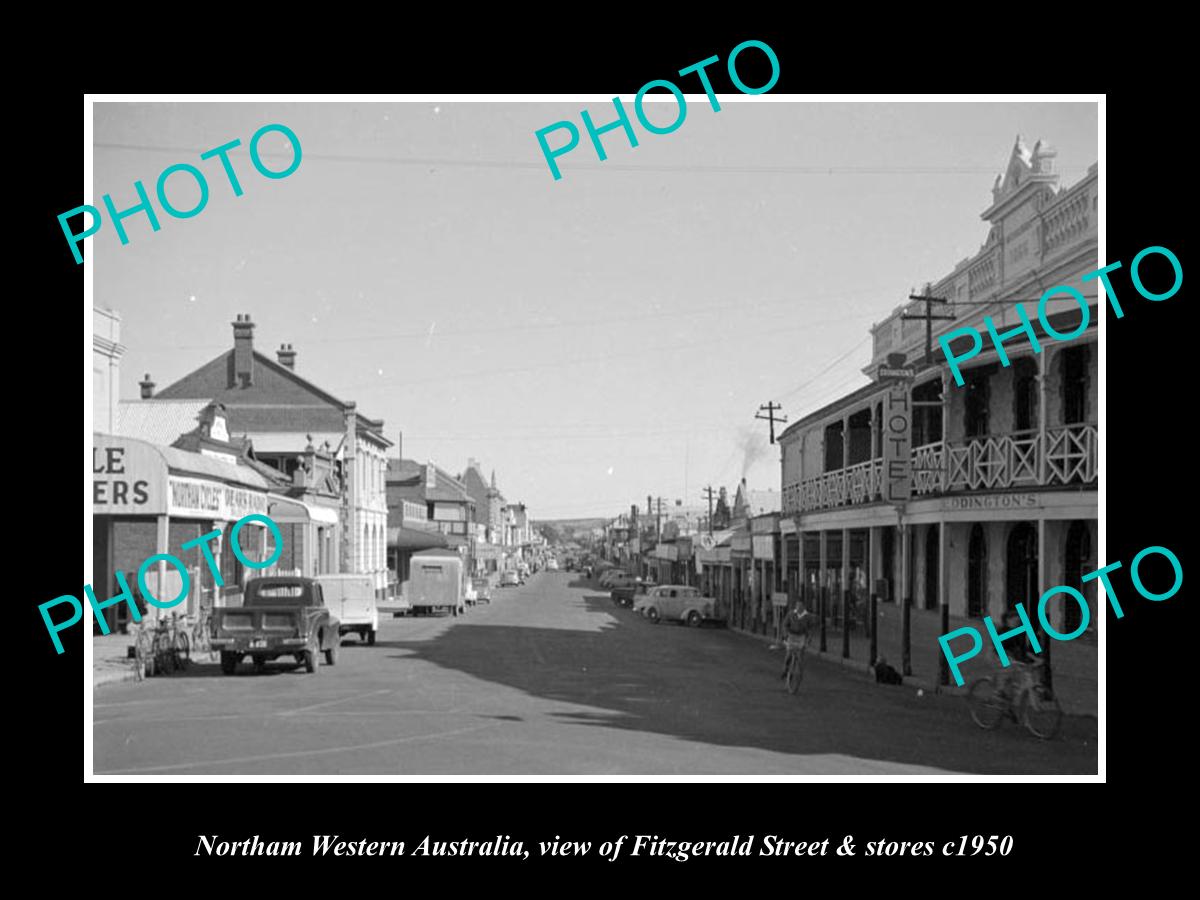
897, 444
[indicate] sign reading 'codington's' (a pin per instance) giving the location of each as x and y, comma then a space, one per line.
993, 501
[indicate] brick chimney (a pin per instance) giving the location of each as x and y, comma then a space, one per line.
286, 356
147, 387
400, 445
243, 351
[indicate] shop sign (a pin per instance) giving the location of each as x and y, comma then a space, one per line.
127, 478
764, 547
196, 498
993, 501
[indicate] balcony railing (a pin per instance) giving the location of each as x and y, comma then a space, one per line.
1021, 459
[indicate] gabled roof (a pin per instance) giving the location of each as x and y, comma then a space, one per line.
446, 488
224, 361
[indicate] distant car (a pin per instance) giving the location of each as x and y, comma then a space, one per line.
509, 578
627, 594
552, 565
676, 603
483, 590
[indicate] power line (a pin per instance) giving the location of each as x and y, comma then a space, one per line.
607, 166
805, 384
649, 353
579, 323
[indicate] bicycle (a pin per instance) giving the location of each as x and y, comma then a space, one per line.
1028, 703
161, 648
200, 635
794, 665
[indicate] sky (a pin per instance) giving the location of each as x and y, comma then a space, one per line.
594, 339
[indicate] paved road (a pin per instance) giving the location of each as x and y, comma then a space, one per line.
553, 679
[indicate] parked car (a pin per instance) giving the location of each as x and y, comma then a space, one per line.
509, 578
279, 616
436, 582
552, 565
620, 579
606, 575
676, 603
483, 590
627, 594
351, 600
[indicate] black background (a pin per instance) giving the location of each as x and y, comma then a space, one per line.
1147, 474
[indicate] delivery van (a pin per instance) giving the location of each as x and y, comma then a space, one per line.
351, 600
435, 582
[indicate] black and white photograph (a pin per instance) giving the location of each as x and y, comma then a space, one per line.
686, 436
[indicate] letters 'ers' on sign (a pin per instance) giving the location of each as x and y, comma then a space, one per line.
897, 444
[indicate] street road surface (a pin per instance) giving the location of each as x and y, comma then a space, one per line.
553, 679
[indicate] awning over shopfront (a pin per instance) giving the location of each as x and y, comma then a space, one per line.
135, 477
402, 538
291, 510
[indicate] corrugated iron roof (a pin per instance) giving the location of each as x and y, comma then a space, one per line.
158, 421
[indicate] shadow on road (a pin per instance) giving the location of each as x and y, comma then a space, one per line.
716, 687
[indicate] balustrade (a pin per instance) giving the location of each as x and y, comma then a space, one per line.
982, 463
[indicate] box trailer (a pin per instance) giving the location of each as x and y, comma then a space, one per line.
435, 582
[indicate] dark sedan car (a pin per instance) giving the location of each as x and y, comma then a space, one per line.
625, 594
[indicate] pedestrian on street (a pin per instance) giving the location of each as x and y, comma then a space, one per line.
796, 626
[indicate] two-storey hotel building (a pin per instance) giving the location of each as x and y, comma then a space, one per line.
999, 494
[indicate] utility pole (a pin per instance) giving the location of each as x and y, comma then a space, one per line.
658, 518
929, 317
770, 416
708, 492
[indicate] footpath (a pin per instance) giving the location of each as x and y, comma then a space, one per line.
1074, 664
112, 664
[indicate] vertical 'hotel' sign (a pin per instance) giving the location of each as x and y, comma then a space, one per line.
897, 443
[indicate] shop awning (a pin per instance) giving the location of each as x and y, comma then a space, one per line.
414, 539
291, 510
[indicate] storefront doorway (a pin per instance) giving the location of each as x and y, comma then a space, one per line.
1020, 582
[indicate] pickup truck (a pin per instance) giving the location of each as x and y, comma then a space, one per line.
279, 616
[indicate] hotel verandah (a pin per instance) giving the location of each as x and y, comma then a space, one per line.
1004, 468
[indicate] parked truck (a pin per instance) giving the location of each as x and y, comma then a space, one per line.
351, 600
435, 582
279, 616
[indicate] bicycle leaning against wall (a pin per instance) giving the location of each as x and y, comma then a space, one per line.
1021, 696
161, 647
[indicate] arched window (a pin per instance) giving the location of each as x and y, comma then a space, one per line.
1020, 581
977, 572
1074, 384
1076, 564
1025, 396
927, 420
932, 566
975, 405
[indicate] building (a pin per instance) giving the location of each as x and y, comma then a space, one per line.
107, 351
994, 494
297, 427
448, 507
150, 499
488, 517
